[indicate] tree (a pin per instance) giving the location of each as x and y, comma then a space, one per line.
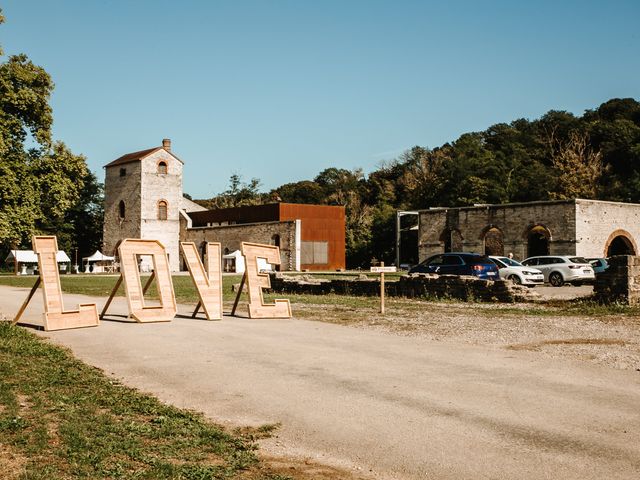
305, 191
24, 113
39, 185
578, 166
238, 194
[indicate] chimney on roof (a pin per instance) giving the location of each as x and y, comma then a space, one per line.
166, 144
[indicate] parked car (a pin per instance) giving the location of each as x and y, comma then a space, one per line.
510, 269
559, 270
599, 264
459, 263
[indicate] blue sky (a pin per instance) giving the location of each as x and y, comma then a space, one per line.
280, 90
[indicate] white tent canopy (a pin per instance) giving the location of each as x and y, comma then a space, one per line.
29, 256
234, 262
98, 257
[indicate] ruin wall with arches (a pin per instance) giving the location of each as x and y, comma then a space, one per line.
565, 227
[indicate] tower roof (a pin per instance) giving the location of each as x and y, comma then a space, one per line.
137, 156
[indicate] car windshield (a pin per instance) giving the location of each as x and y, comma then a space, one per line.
476, 260
510, 262
578, 260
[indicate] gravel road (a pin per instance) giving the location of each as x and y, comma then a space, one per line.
381, 405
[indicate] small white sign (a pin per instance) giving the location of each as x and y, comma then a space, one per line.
383, 269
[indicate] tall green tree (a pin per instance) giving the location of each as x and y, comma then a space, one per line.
40, 180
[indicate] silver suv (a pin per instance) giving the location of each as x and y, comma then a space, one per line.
559, 270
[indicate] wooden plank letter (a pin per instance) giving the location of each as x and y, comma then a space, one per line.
129, 250
55, 318
256, 281
208, 283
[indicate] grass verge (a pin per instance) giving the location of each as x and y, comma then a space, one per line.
101, 285
61, 419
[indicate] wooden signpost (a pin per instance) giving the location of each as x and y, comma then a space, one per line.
257, 280
208, 282
382, 270
55, 318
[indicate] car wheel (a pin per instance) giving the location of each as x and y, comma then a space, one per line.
515, 279
556, 279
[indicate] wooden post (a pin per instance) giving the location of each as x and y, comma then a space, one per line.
113, 293
235, 303
195, 312
148, 284
26, 302
382, 289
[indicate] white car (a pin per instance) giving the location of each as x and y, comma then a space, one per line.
510, 269
562, 269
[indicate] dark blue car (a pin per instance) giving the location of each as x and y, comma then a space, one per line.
459, 263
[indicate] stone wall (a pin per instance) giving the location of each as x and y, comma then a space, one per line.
513, 220
412, 286
231, 236
620, 282
128, 189
599, 222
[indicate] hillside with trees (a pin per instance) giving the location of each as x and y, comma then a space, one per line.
558, 156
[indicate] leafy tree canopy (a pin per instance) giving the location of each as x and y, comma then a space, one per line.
42, 183
558, 156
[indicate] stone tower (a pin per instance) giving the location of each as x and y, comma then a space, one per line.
143, 198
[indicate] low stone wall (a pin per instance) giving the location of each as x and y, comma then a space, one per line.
411, 286
620, 282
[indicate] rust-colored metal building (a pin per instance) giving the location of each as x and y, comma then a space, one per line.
321, 235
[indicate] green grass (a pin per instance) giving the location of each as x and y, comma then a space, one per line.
101, 285
61, 419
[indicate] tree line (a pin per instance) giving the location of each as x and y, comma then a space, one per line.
558, 156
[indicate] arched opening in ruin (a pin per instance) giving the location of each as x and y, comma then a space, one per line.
494, 242
452, 240
538, 239
275, 240
620, 243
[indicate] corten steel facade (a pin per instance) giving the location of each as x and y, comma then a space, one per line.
588, 228
322, 229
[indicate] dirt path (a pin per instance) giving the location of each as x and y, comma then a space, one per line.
391, 406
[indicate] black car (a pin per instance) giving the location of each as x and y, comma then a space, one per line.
459, 263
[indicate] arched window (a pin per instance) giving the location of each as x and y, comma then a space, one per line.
121, 209
493, 242
275, 240
538, 238
162, 210
162, 168
620, 242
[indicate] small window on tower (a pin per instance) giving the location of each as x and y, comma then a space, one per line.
121, 209
123, 172
162, 168
162, 210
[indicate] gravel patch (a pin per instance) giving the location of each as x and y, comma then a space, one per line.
610, 340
